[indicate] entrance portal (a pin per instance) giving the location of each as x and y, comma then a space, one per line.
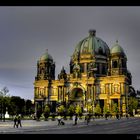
76, 97
114, 101
101, 103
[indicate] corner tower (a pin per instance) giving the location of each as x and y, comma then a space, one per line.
118, 60
43, 81
45, 67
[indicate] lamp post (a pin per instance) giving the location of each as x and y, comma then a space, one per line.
128, 103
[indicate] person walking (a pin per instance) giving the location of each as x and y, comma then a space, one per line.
15, 121
106, 115
127, 116
117, 116
19, 121
59, 120
88, 118
75, 118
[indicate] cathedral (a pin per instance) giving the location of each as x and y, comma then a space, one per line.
98, 74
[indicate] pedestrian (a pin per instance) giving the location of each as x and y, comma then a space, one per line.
62, 122
106, 116
117, 116
15, 121
59, 120
19, 121
120, 115
88, 118
75, 118
127, 116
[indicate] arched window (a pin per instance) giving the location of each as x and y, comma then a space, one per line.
103, 69
71, 68
98, 71
82, 67
100, 51
123, 63
42, 70
98, 89
115, 64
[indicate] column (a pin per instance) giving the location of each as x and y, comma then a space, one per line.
92, 92
35, 92
110, 103
35, 107
119, 104
123, 105
38, 90
88, 92
126, 92
120, 89
85, 67
110, 89
46, 91
58, 93
63, 93
100, 68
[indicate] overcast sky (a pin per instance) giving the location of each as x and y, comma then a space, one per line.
26, 33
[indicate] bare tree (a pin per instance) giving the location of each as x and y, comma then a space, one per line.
4, 101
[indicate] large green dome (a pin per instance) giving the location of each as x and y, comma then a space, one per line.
92, 45
46, 56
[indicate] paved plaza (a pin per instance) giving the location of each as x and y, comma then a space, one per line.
96, 126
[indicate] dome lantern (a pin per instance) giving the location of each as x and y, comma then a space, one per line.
92, 32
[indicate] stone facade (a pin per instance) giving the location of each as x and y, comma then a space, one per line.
98, 74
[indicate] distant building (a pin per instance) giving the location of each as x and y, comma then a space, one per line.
98, 75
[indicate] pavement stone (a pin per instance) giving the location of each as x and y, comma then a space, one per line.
33, 125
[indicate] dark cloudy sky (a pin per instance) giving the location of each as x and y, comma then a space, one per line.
26, 32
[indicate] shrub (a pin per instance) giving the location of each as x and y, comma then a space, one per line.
46, 112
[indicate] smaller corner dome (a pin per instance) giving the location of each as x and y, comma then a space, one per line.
117, 49
46, 56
